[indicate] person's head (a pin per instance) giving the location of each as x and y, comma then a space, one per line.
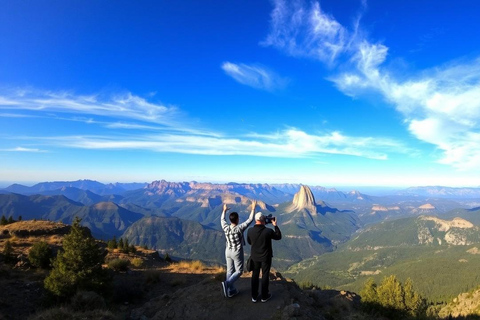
259, 218
233, 217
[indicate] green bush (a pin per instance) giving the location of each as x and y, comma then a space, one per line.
119, 264
40, 255
137, 262
8, 252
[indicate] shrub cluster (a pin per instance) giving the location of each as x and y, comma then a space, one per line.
393, 299
119, 264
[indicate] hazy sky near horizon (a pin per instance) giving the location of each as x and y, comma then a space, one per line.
379, 93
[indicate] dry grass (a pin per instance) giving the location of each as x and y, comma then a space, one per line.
195, 267
188, 267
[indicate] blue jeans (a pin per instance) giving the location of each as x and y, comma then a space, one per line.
234, 266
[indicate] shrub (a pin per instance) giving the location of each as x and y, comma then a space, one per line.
137, 262
40, 255
78, 267
167, 258
119, 264
8, 251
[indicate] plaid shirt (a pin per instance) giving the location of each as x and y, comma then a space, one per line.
234, 234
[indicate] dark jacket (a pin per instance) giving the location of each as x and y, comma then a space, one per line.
260, 238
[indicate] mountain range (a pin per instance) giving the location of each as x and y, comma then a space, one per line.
328, 235
440, 256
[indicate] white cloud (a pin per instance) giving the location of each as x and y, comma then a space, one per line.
255, 76
440, 106
306, 32
22, 149
289, 143
118, 106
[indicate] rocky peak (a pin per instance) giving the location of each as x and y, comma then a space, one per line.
304, 199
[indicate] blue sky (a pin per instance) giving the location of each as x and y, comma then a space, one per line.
332, 93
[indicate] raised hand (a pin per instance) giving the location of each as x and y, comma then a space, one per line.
225, 208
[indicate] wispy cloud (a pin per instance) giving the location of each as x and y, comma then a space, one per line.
306, 31
255, 76
289, 143
124, 105
440, 106
137, 115
22, 149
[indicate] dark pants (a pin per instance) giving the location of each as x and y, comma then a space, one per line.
265, 266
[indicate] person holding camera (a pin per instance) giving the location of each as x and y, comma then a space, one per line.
234, 248
260, 238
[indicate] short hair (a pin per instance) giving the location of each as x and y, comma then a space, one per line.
233, 217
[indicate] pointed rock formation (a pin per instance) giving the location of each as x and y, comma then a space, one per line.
304, 199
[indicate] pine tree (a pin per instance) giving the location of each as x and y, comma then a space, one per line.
10, 220
79, 266
125, 246
145, 247
132, 249
3, 221
414, 303
120, 244
369, 292
112, 244
390, 293
40, 255
19, 218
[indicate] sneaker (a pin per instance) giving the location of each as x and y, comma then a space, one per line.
232, 293
254, 300
224, 288
268, 298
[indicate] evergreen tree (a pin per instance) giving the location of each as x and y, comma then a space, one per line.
40, 255
414, 303
145, 247
369, 292
19, 218
120, 244
10, 220
79, 266
3, 221
132, 249
390, 293
125, 246
112, 244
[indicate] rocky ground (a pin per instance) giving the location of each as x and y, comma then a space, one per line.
204, 300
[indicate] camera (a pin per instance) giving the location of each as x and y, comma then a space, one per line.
269, 218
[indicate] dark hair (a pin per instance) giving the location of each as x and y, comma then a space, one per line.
233, 217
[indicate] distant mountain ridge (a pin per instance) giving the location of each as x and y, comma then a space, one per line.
442, 192
326, 194
105, 219
90, 185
